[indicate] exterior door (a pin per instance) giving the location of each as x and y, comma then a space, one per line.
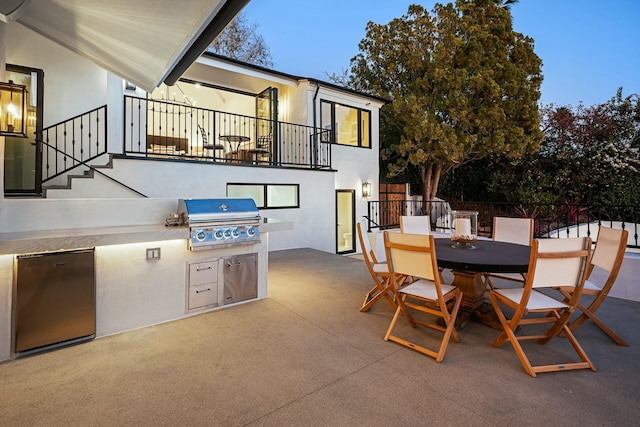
267, 114
22, 156
345, 221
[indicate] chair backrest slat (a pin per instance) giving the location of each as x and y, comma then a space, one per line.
411, 254
559, 262
513, 230
415, 224
610, 245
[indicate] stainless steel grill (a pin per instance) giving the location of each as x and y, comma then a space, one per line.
215, 223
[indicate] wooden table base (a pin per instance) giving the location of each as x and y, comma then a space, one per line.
473, 307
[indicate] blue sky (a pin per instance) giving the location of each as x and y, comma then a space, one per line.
588, 48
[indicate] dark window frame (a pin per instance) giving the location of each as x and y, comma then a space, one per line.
359, 111
265, 188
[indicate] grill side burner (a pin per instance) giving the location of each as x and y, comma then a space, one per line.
215, 223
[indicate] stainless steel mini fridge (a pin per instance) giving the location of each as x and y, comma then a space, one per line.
54, 300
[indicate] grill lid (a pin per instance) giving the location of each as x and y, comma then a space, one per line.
207, 210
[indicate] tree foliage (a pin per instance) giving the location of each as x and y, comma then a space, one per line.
462, 83
589, 155
240, 40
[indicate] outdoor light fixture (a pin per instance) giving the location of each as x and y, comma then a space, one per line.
13, 108
366, 189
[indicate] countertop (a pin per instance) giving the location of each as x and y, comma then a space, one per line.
24, 242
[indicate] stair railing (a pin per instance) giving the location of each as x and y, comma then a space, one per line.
73, 142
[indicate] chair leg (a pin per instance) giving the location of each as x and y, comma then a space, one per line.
588, 314
450, 330
487, 283
380, 291
508, 334
393, 323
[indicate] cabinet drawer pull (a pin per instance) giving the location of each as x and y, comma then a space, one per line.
202, 269
202, 290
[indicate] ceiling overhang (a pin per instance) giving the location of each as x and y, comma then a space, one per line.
146, 42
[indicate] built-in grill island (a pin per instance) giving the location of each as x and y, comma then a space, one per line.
156, 269
214, 225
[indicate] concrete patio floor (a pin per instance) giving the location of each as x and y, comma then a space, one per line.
306, 356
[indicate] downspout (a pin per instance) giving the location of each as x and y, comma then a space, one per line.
315, 97
315, 142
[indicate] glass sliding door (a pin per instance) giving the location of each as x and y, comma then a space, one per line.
22, 158
345, 221
267, 123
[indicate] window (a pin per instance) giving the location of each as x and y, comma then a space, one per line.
268, 196
349, 125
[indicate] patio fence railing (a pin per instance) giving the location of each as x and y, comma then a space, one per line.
550, 220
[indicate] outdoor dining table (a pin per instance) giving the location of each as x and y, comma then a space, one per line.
468, 267
237, 139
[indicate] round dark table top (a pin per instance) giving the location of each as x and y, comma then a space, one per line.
235, 138
487, 257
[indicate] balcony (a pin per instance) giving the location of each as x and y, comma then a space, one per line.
174, 130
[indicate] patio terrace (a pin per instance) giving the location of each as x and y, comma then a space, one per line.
307, 356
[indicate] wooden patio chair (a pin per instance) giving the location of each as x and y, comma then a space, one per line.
553, 263
415, 224
379, 271
607, 255
510, 230
414, 255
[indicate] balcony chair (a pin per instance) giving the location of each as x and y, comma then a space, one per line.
207, 146
261, 149
379, 271
607, 255
414, 255
415, 224
552, 263
510, 230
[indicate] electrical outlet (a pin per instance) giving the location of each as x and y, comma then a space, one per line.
153, 253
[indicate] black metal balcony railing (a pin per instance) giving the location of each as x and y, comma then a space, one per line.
73, 143
165, 129
550, 220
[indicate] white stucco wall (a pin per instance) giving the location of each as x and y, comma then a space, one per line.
161, 180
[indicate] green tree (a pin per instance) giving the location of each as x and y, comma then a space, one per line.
240, 40
463, 85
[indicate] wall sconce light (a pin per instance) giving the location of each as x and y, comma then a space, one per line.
13, 109
366, 189
130, 86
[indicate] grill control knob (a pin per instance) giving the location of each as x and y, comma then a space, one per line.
200, 235
227, 233
251, 231
219, 234
235, 233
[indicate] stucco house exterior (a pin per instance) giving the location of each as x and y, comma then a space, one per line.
112, 143
73, 86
